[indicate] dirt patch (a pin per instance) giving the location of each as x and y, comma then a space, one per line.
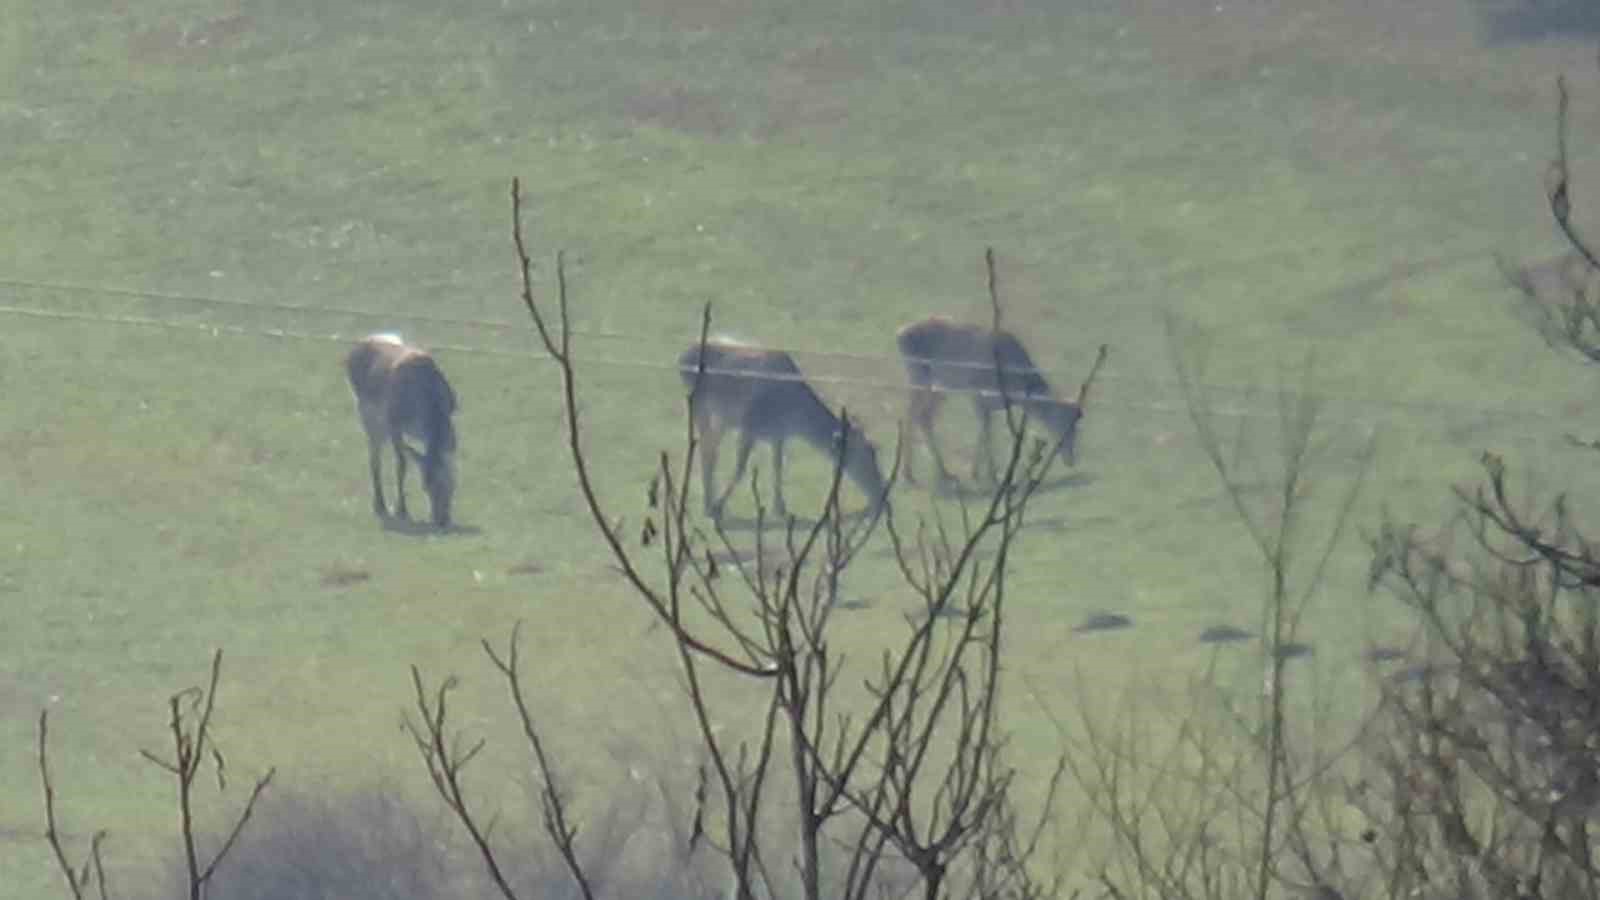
696, 15
807, 89
680, 109
173, 42
340, 576
794, 109
825, 61
1103, 621
1233, 38
1224, 634
1240, 40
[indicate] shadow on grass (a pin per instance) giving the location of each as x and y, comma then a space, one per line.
978, 491
377, 843
366, 844
1526, 21
770, 522
416, 528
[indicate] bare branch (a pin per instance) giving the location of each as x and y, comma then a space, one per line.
556, 823
557, 339
445, 760
93, 872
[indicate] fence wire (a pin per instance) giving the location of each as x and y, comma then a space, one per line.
333, 324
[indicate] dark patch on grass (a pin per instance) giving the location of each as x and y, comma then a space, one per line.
363, 845
1070, 480
1295, 650
192, 43
418, 528
697, 15
951, 611
770, 521
1102, 621
966, 490
726, 557
805, 94
340, 576
1224, 634
1416, 674
679, 108
525, 568
29, 835
824, 61
1383, 654
1529, 21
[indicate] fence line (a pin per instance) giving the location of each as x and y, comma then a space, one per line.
1057, 375
482, 324
1369, 415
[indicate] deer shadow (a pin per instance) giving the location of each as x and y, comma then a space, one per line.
969, 490
423, 528
772, 522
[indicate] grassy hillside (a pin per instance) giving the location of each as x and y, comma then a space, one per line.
204, 201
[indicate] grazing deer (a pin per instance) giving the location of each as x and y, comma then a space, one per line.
942, 355
763, 395
400, 392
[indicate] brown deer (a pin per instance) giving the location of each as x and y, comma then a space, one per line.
400, 392
943, 355
762, 394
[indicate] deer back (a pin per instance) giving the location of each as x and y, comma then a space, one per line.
422, 401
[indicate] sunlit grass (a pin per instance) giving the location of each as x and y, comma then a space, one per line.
820, 173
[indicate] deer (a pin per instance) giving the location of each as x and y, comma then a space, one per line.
763, 395
943, 355
400, 392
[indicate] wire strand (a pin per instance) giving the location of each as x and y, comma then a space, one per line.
1055, 375
1368, 417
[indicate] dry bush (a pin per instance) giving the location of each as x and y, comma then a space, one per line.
906, 794
1484, 779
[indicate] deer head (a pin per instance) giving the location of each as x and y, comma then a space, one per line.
438, 480
1062, 418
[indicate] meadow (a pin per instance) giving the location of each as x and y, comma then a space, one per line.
202, 202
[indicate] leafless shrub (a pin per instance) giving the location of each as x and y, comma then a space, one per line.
366, 844
1214, 794
911, 792
1484, 777
189, 722
91, 872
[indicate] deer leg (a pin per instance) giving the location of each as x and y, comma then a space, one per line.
375, 464
372, 425
925, 409
779, 507
400, 477
710, 442
908, 449
747, 442
983, 465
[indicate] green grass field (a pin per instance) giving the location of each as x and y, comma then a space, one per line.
272, 180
